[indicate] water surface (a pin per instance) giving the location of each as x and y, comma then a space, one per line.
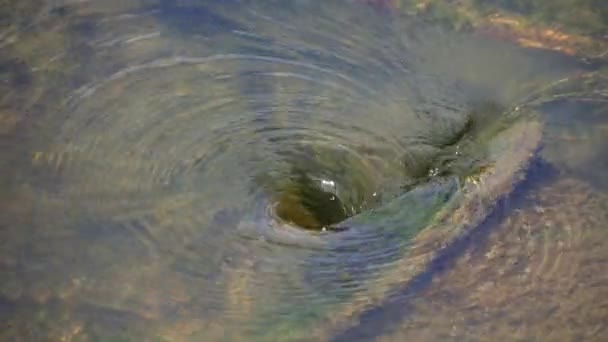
205, 170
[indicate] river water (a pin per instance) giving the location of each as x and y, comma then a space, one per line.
294, 171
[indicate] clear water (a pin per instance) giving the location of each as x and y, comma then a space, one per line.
146, 147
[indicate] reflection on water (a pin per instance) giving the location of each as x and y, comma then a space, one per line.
245, 170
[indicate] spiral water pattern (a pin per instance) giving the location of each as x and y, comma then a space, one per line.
199, 167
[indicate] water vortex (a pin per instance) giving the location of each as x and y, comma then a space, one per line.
226, 163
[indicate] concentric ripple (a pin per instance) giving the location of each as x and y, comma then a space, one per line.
530, 281
200, 168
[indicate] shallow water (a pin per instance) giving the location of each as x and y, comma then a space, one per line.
148, 146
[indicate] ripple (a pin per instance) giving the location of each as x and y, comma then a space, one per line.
531, 279
190, 139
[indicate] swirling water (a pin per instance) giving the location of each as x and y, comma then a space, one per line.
154, 151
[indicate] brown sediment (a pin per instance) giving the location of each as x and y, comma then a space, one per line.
517, 29
194, 329
240, 290
8, 121
508, 26
511, 151
542, 275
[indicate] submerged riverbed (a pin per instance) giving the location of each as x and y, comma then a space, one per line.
289, 171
